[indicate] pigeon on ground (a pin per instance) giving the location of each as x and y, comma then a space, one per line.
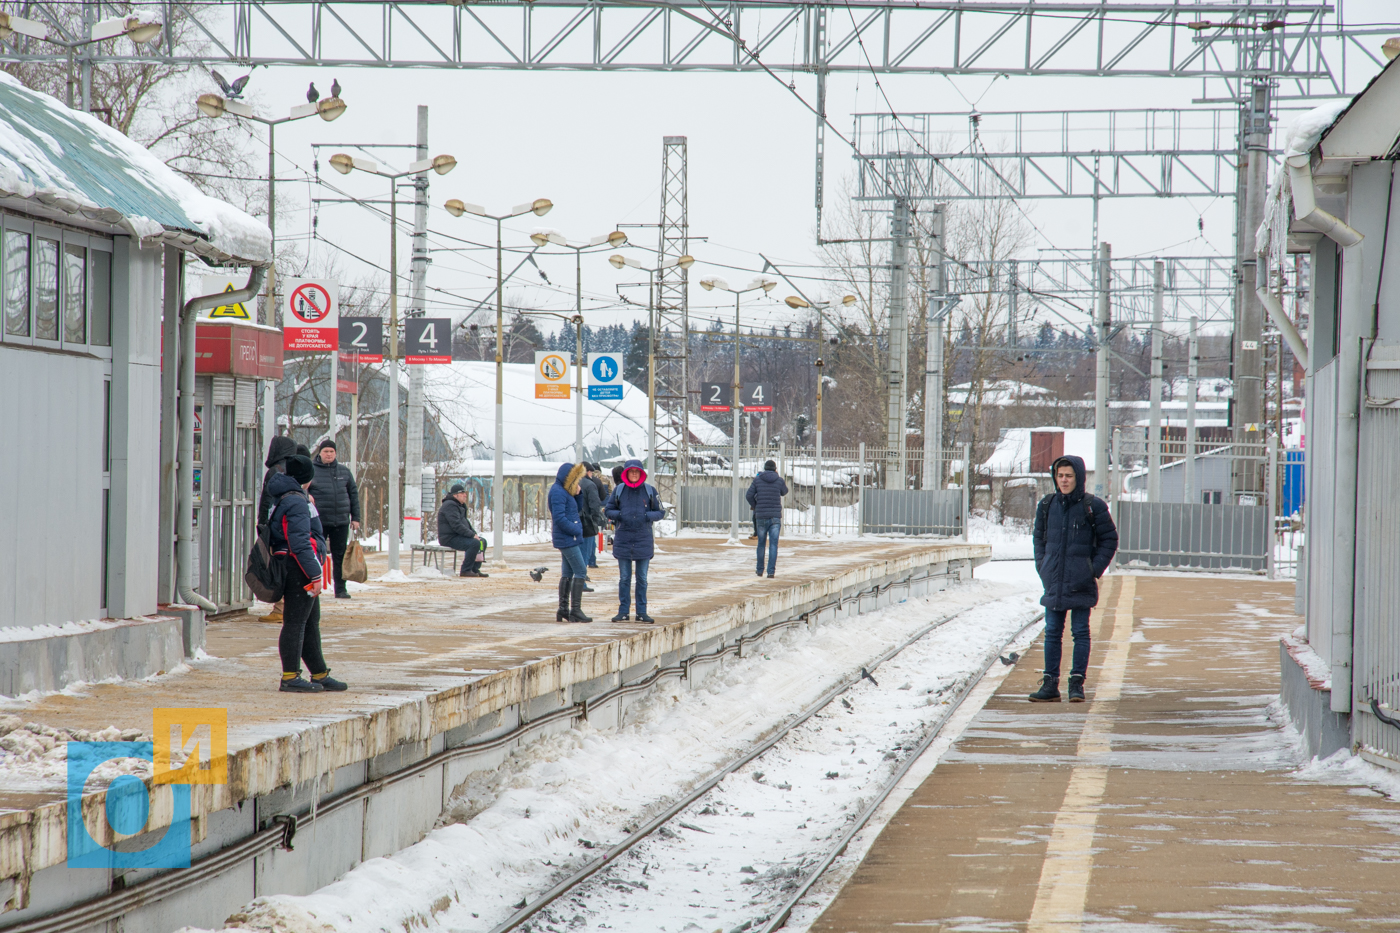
1009, 659
335, 88
312, 95
231, 91
538, 573
866, 674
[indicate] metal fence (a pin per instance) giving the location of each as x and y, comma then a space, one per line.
844, 490
1225, 506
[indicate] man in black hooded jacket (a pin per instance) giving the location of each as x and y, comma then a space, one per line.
1075, 540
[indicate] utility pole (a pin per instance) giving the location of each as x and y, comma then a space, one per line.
418, 273
1154, 446
1249, 311
1193, 354
933, 360
1102, 451
899, 344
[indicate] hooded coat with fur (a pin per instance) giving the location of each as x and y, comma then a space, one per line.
633, 509
563, 507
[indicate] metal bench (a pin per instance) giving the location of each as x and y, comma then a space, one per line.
434, 554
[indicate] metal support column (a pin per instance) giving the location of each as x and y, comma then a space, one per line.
1249, 311
1102, 454
1188, 492
672, 319
418, 273
898, 345
938, 305
1154, 441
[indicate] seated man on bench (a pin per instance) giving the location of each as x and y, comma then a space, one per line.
454, 529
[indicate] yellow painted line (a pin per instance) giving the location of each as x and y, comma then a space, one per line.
1069, 859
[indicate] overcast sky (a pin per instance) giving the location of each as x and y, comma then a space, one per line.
591, 142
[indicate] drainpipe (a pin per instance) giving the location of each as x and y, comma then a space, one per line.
184, 546
1305, 204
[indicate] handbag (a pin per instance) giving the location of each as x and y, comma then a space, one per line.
352, 565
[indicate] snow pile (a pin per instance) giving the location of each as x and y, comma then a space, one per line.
35, 632
513, 830
1306, 131
33, 755
394, 576
109, 176
1347, 770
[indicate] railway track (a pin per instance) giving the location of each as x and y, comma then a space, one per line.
661, 824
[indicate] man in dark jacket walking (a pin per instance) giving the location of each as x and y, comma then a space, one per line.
633, 508
294, 530
765, 497
568, 540
338, 500
454, 530
1075, 540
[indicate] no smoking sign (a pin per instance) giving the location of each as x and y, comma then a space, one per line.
311, 315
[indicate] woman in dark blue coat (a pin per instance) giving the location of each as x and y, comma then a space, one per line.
568, 538
633, 507
1075, 540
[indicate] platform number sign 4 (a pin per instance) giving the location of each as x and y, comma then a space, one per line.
715, 396
362, 338
756, 398
604, 377
428, 339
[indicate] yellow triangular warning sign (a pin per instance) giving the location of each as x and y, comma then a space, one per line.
234, 311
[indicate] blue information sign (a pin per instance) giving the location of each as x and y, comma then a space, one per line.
604, 377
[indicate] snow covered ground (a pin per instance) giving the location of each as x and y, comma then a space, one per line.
511, 832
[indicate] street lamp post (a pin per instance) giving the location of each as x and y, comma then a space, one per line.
613, 240
821, 307
539, 207
766, 285
685, 262
214, 106
345, 164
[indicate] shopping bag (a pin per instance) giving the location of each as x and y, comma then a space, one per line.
353, 565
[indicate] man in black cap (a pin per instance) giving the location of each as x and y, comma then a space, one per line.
338, 500
454, 530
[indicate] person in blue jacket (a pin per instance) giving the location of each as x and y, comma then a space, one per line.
633, 508
765, 497
298, 538
568, 539
1075, 540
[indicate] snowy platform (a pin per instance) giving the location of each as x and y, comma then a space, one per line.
435, 664
1178, 798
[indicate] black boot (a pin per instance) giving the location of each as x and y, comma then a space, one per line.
576, 597
1076, 688
1049, 691
562, 615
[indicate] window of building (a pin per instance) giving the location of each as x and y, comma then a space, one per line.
45, 289
75, 293
14, 283
100, 292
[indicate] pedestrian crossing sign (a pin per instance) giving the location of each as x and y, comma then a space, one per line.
236, 312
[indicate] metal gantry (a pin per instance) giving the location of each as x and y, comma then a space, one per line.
670, 326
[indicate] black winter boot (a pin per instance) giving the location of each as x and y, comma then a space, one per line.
562, 615
576, 598
1076, 688
1049, 691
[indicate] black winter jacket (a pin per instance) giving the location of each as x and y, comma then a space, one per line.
633, 510
454, 519
294, 529
590, 512
765, 495
1073, 544
337, 496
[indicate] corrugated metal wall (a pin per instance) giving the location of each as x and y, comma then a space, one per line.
1322, 436
1377, 626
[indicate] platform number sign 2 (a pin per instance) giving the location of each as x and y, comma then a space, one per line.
362, 338
604, 376
756, 398
428, 339
715, 396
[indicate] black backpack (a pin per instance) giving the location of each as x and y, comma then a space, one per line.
267, 572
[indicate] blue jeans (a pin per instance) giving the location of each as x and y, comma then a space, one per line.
1054, 640
571, 563
624, 586
767, 528
590, 551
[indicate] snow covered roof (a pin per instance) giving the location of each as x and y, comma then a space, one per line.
1013, 451
464, 394
70, 165
999, 392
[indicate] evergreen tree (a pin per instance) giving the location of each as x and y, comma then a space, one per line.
634, 361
